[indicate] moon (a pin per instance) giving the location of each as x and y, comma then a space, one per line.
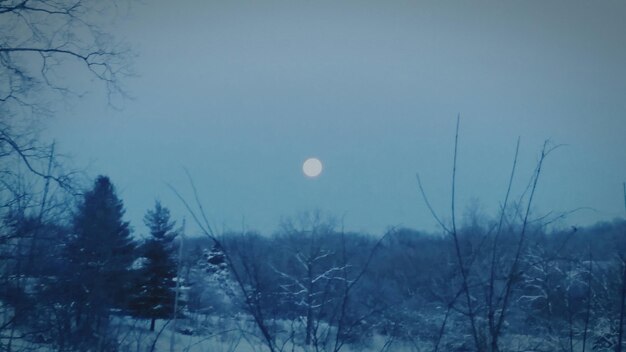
312, 167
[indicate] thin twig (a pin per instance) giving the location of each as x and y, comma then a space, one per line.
490, 305
457, 245
429, 206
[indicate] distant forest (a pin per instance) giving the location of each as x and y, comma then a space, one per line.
80, 280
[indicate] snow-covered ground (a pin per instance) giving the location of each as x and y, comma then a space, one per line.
223, 335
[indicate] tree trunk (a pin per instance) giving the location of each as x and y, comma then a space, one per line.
309, 326
309, 302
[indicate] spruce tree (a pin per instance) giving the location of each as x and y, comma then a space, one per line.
154, 297
100, 253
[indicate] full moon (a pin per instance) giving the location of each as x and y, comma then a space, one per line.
312, 167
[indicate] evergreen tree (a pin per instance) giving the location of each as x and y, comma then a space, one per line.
154, 298
100, 253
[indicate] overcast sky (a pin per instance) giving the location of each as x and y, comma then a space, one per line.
241, 93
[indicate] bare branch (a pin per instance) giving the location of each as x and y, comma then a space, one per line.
453, 195
61, 181
494, 249
513, 273
430, 208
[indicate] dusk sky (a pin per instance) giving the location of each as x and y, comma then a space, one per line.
241, 93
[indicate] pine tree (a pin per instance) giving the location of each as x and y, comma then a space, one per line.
154, 297
100, 253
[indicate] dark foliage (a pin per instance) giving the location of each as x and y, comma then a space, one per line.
99, 255
154, 290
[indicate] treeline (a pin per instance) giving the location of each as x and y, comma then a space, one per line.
64, 279
68, 278
335, 287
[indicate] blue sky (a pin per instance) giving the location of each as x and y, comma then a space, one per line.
242, 92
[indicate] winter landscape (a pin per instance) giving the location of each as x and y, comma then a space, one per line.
312, 176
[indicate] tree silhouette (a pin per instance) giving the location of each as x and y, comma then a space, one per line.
100, 253
154, 297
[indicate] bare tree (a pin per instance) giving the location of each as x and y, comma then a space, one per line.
499, 286
41, 43
33, 193
42, 39
351, 276
306, 282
